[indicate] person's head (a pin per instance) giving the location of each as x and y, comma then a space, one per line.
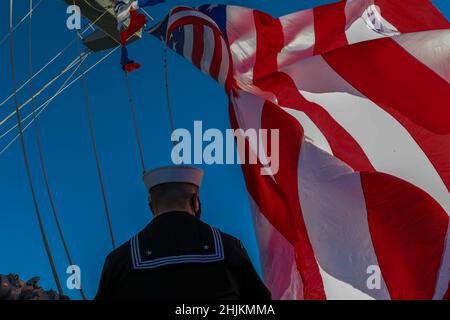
174, 196
174, 188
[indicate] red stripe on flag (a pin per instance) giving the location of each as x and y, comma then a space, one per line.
217, 56
181, 9
270, 41
329, 27
279, 202
291, 139
197, 50
412, 15
408, 230
230, 84
188, 21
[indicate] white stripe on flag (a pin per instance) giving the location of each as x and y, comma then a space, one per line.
432, 48
188, 41
299, 37
336, 289
190, 13
277, 259
365, 22
248, 109
208, 49
334, 211
241, 32
312, 132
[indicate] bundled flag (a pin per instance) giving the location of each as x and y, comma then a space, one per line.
360, 93
130, 21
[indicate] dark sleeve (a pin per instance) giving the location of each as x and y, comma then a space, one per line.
105, 288
252, 287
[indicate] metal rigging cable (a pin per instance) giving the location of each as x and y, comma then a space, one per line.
4, 134
95, 150
69, 66
169, 105
135, 123
65, 86
168, 101
25, 156
5, 37
40, 109
39, 149
133, 109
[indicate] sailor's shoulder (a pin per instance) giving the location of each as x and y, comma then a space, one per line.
229, 240
119, 254
232, 245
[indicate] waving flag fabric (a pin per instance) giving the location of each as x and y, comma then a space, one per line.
359, 90
130, 21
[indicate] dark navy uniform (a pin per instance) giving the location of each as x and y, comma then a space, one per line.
179, 257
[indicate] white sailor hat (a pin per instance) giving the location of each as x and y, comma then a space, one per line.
183, 174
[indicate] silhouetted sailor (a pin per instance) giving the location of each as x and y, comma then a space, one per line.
177, 256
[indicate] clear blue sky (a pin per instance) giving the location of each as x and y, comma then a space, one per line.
69, 156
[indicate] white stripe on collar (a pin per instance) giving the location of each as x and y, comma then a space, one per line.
139, 264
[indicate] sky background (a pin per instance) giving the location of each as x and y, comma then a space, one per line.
68, 150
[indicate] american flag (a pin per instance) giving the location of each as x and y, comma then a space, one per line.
359, 90
199, 35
